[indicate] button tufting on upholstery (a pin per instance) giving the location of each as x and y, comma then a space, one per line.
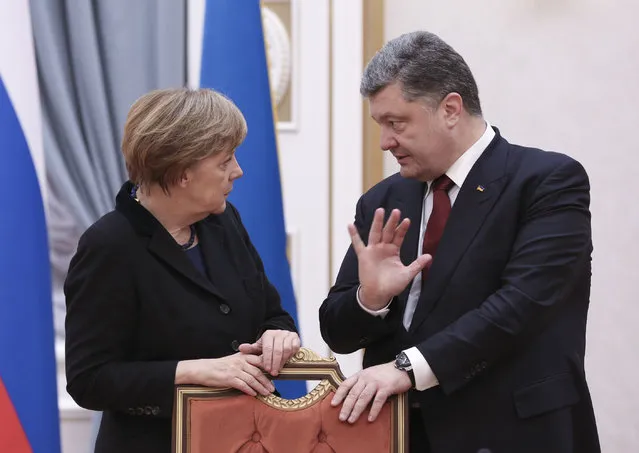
244, 424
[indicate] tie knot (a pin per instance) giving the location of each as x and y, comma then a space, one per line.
443, 183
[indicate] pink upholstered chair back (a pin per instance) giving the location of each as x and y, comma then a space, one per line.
210, 420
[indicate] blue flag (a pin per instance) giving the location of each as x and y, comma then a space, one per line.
234, 63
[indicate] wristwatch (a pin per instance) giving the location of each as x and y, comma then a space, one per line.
402, 362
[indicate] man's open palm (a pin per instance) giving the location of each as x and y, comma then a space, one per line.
382, 275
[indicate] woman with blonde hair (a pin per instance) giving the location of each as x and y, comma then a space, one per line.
164, 289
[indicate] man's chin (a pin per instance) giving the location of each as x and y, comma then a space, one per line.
407, 172
414, 173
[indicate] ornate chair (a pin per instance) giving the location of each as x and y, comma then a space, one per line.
215, 420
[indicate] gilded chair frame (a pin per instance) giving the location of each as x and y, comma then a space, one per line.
305, 365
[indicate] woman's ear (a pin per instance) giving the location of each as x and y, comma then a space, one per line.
185, 178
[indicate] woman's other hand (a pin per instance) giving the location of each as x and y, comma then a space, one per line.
241, 371
276, 347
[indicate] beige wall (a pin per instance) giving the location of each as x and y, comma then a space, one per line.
564, 75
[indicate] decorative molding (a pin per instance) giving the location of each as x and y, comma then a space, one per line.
291, 126
307, 356
373, 40
310, 399
278, 49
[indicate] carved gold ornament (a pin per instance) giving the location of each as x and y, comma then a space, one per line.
278, 50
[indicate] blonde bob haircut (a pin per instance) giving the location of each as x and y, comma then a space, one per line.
169, 131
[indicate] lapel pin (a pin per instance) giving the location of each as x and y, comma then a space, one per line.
480, 188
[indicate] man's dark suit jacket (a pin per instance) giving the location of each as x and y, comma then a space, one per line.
136, 305
502, 316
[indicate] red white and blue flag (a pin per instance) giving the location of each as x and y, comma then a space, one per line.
29, 421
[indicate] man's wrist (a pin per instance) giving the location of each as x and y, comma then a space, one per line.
424, 376
380, 313
402, 363
373, 302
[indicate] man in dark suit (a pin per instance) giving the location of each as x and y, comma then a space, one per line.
476, 301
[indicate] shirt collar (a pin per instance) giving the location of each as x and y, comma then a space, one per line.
462, 166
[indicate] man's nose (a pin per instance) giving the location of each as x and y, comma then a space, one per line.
387, 140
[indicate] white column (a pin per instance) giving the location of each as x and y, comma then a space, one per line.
347, 136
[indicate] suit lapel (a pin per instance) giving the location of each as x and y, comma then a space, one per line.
410, 203
466, 218
165, 248
162, 245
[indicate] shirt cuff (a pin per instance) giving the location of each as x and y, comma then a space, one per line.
382, 312
424, 376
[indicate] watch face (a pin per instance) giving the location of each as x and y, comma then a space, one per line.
402, 361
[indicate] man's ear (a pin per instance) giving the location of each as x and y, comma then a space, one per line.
452, 106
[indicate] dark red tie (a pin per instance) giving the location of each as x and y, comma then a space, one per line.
438, 217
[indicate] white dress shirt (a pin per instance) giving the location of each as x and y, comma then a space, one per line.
424, 376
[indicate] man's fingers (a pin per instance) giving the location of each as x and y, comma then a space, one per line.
420, 263
388, 233
356, 240
375, 234
400, 232
351, 400
378, 404
343, 390
362, 401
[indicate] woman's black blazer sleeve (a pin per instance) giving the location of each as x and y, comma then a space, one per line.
100, 328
